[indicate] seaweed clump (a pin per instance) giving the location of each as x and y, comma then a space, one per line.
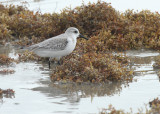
6, 71
112, 110
5, 60
91, 67
23, 26
91, 62
122, 31
155, 109
8, 93
155, 106
143, 29
5, 34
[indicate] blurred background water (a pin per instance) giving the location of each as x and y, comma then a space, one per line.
50, 6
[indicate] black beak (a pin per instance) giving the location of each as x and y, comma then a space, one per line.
80, 35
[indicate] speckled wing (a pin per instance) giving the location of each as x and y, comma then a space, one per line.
54, 44
57, 43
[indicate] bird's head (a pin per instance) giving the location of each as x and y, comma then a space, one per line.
74, 31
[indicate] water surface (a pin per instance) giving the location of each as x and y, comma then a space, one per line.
34, 93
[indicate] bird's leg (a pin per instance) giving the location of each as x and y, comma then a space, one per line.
49, 63
59, 61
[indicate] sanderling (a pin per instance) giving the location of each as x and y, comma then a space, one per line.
58, 46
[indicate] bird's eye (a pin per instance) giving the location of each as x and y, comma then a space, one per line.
75, 31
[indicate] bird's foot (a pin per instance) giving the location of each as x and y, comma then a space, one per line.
60, 62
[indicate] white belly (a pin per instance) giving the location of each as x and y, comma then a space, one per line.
56, 54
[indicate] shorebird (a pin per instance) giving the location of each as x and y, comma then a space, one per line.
58, 46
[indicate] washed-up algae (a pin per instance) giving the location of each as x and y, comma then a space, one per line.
120, 31
154, 109
108, 30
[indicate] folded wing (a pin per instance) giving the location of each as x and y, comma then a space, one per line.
54, 44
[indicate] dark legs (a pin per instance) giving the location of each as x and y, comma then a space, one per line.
49, 62
60, 62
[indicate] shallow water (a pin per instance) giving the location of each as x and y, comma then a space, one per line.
34, 93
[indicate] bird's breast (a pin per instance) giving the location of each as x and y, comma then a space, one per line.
71, 45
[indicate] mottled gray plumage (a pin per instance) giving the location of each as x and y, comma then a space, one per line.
57, 43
